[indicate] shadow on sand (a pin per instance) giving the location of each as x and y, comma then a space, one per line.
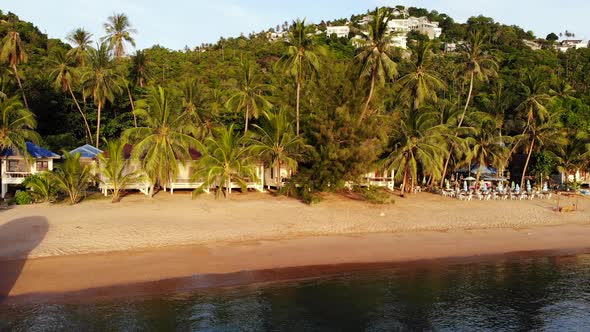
18, 238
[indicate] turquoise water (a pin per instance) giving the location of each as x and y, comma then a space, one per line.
522, 293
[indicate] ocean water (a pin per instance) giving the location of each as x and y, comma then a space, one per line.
508, 294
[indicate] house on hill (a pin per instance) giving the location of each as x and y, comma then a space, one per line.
15, 166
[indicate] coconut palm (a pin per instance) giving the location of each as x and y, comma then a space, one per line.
417, 142
72, 178
496, 103
195, 110
301, 59
573, 155
422, 83
119, 31
41, 187
81, 40
162, 143
276, 143
544, 133
100, 80
114, 168
535, 97
479, 65
17, 125
375, 58
226, 160
13, 53
250, 93
140, 71
64, 74
488, 147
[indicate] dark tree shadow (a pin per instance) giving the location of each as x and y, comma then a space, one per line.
18, 238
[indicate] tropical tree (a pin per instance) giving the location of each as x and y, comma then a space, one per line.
541, 133
535, 97
250, 95
140, 71
573, 155
478, 65
41, 187
375, 58
114, 168
81, 40
301, 59
162, 143
226, 160
119, 31
488, 147
422, 83
64, 74
276, 143
13, 53
194, 103
418, 142
100, 80
72, 178
17, 125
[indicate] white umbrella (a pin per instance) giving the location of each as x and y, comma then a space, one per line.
470, 178
528, 185
465, 186
517, 188
500, 187
485, 186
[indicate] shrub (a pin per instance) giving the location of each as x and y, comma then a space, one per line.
375, 195
42, 187
23, 198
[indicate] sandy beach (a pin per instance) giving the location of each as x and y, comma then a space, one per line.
98, 244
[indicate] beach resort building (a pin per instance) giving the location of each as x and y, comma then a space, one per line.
341, 31
567, 44
279, 35
15, 166
88, 156
419, 24
383, 178
142, 184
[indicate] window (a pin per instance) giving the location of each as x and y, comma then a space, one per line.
13, 165
42, 166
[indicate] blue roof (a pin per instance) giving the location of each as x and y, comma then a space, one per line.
87, 151
34, 150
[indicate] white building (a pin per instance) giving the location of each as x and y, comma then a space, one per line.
572, 44
272, 36
533, 45
419, 24
341, 31
400, 40
15, 167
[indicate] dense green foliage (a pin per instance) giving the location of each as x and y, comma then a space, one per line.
422, 111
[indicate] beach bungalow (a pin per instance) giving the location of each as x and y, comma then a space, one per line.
143, 184
88, 156
382, 178
15, 167
272, 180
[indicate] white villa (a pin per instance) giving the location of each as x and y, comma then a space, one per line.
565, 45
384, 178
15, 167
273, 36
419, 24
341, 31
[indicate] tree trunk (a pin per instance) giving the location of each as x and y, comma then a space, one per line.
444, 173
98, 124
526, 165
278, 175
247, 116
20, 86
132, 106
88, 131
297, 107
372, 89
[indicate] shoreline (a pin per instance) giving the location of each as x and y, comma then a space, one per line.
184, 268
98, 246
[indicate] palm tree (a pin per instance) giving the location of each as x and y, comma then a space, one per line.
81, 40
17, 125
64, 75
119, 31
100, 80
496, 103
13, 52
250, 93
227, 159
301, 59
42, 187
541, 133
276, 143
72, 178
487, 146
114, 168
375, 57
421, 84
140, 68
162, 144
195, 110
479, 65
534, 93
573, 155
417, 142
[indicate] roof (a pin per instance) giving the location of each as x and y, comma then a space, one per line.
87, 151
34, 150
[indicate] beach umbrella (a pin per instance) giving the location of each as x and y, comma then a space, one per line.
517, 189
465, 186
500, 187
512, 185
424, 180
447, 184
485, 186
528, 185
545, 187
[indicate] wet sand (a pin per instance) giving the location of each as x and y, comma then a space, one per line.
96, 246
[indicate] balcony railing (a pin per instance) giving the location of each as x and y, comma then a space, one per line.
12, 175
